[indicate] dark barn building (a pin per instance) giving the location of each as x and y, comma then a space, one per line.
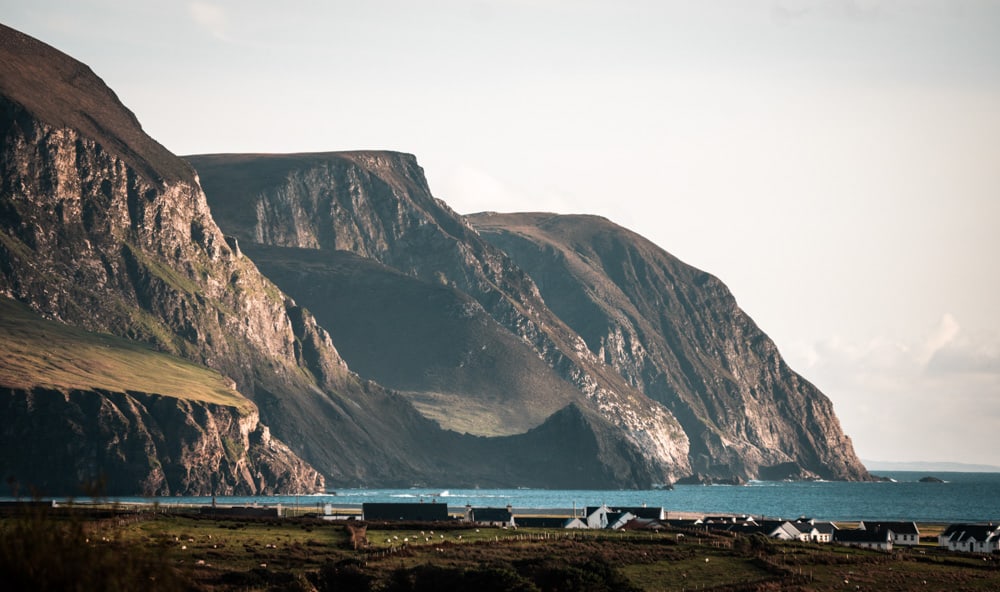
433, 512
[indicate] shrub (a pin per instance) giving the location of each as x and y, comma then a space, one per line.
40, 551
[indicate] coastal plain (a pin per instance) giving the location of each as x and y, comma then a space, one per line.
110, 548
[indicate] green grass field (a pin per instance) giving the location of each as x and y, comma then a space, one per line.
35, 352
209, 553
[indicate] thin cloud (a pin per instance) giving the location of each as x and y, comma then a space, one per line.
469, 190
210, 17
890, 394
965, 356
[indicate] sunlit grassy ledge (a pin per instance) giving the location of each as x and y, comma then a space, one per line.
36, 352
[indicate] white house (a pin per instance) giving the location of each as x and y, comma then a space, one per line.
596, 516
971, 538
880, 540
500, 517
824, 531
617, 520
903, 533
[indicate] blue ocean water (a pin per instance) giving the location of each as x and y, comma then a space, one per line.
963, 497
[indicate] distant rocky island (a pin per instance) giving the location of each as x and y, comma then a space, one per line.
247, 323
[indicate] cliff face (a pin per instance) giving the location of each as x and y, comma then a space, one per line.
138, 443
650, 342
102, 228
639, 371
78, 408
433, 343
677, 334
377, 206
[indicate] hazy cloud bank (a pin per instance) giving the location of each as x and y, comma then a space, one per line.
908, 401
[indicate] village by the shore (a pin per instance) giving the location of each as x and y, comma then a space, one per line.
868, 534
978, 538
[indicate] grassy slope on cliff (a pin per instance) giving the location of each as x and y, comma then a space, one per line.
37, 352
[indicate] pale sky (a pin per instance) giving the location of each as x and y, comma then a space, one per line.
836, 163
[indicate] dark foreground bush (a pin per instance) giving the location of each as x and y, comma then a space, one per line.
42, 552
432, 578
544, 575
591, 576
342, 576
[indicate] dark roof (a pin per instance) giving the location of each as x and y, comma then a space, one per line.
954, 528
763, 527
744, 528
652, 513
964, 532
857, 535
643, 524
825, 527
682, 523
416, 512
491, 515
896, 527
720, 519
240, 511
542, 521
616, 516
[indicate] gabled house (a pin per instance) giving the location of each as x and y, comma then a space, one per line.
814, 530
880, 540
903, 533
617, 520
971, 538
600, 517
596, 516
785, 531
499, 517
647, 524
824, 531
768, 528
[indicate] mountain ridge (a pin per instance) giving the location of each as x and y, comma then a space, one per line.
103, 229
677, 333
320, 190
379, 206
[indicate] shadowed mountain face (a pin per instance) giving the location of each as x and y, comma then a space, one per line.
377, 206
677, 334
103, 229
434, 343
648, 341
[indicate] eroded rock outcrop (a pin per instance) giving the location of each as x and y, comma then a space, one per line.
644, 370
103, 228
377, 205
677, 333
111, 443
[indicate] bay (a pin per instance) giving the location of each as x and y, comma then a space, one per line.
963, 497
